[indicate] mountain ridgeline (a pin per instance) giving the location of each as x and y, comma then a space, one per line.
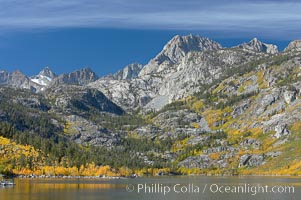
195, 108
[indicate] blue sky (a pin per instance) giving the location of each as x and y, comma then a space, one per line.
109, 34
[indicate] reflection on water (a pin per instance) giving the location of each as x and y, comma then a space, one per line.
102, 189
50, 189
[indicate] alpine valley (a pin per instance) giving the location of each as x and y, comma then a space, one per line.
195, 108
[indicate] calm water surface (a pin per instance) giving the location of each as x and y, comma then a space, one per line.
175, 188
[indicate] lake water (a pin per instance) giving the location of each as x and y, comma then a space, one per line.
170, 188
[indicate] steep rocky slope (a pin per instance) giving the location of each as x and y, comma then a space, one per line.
184, 63
260, 113
294, 46
129, 72
175, 50
18, 80
78, 77
44, 77
256, 45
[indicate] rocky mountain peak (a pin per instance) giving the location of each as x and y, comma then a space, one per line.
79, 77
86, 75
294, 45
47, 72
18, 73
44, 77
258, 46
179, 45
17, 77
86, 70
128, 72
18, 80
174, 51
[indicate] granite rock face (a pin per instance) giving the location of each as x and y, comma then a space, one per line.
86, 132
71, 98
18, 80
294, 46
129, 72
184, 63
256, 45
44, 77
79, 77
175, 50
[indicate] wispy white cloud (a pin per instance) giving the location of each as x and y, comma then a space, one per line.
266, 17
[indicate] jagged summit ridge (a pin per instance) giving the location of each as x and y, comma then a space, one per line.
18, 80
79, 77
183, 63
44, 77
180, 45
294, 45
174, 51
186, 62
258, 46
47, 72
128, 72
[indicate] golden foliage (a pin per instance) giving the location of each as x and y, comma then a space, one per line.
214, 156
198, 105
195, 125
212, 116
